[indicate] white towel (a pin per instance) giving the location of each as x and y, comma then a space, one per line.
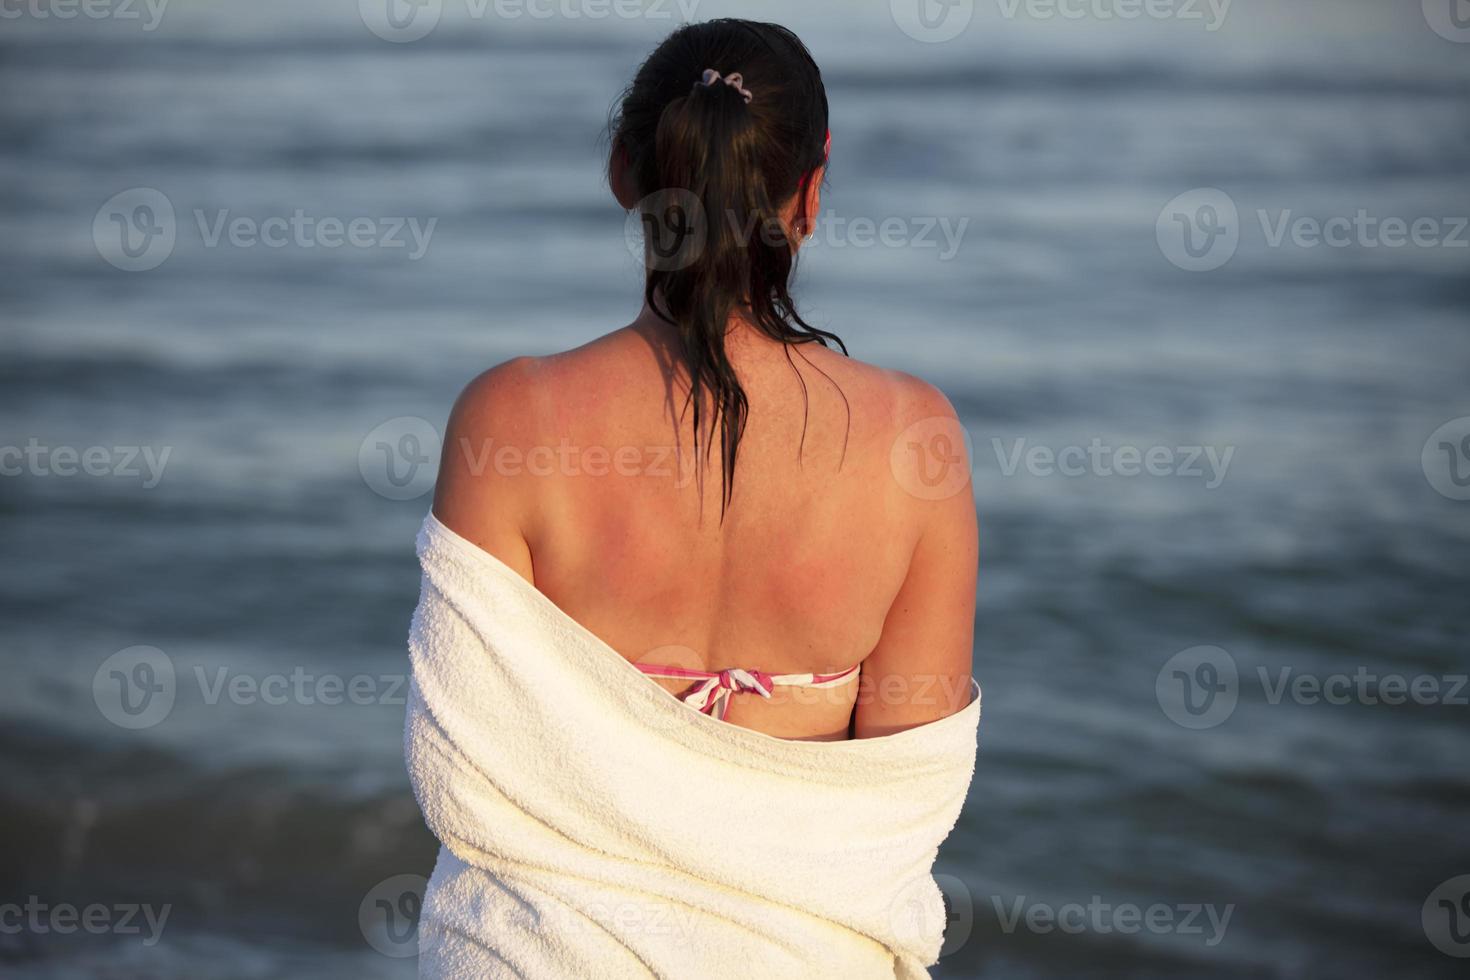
595, 826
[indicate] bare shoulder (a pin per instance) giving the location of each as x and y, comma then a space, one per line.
498, 400
477, 494
904, 397
930, 458
928, 632
916, 400
524, 401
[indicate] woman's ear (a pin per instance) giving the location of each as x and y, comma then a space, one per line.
620, 176
813, 204
815, 191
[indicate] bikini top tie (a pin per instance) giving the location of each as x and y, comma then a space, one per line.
713, 692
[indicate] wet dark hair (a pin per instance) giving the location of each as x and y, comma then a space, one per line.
713, 172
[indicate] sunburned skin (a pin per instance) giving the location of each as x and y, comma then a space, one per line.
577, 471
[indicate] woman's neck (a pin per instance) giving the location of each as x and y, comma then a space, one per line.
743, 339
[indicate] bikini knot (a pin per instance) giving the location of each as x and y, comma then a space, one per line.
737, 679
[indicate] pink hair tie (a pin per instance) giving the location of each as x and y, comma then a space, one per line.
735, 80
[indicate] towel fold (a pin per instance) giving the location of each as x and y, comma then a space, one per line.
595, 826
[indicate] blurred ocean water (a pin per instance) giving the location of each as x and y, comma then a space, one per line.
1044, 179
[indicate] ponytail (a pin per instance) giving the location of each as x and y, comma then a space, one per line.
717, 161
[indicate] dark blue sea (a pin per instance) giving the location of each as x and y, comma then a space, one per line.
1221, 460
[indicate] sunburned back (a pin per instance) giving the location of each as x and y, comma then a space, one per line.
609, 519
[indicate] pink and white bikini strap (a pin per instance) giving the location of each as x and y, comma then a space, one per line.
712, 695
